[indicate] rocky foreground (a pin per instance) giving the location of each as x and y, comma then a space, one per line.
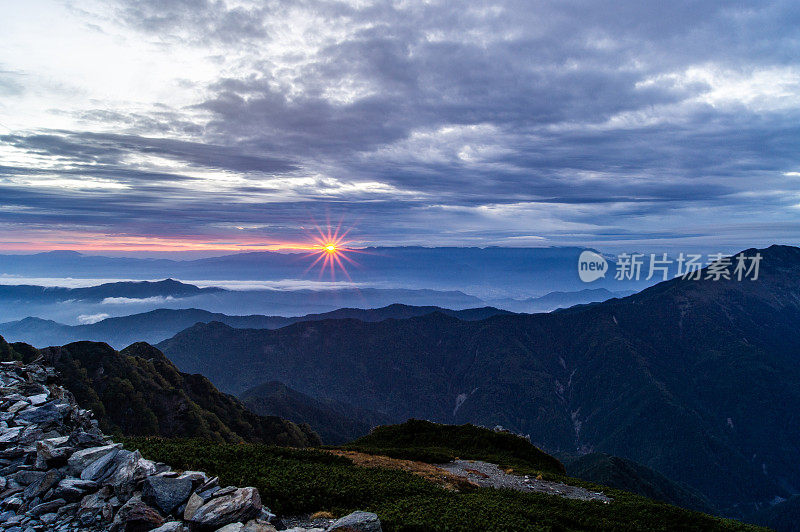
59, 472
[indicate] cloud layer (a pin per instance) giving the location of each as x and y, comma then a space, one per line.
233, 124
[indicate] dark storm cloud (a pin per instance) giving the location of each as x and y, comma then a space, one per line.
577, 108
112, 149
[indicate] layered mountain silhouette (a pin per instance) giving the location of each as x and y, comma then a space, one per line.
122, 289
697, 380
160, 324
503, 269
91, 304
556, 300
139, 392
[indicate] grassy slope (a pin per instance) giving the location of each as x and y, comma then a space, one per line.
294, 481
434, 442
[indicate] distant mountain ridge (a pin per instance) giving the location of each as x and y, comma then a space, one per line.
560, 299
161, 324
123, 289
708, 369
91, 304
490, 269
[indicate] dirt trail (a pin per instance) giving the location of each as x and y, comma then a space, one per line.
461, 474
489, 475
431, 472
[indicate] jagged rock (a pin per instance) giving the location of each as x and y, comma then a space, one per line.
81, 459
166, 493
255, 525
172, 526
206, 494
73, 489
43, 485
26, 477
198, 478
46, 507
10, 434
241, 505
46, 414
84, 440
30, 435
224, 491
233, 527
59, 472
142, 518
13, 503
92, 504
39, 398
210, 484
131, 469
101, 468
53, 452
16, 407
195, 502
357, 522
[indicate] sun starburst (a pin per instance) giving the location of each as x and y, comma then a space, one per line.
331, 250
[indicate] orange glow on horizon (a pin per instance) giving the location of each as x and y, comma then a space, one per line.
83, 242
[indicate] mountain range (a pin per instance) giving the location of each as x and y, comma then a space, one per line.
161, 324
139, 392
696, 379
491, 272
555, 300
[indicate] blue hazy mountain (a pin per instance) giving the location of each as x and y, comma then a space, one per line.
556, 300
484, 272
124, 289
160, 324
697, 380
92, 304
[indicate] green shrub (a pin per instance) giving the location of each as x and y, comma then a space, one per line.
293, 481
437, 443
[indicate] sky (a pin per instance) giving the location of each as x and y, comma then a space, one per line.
194, 125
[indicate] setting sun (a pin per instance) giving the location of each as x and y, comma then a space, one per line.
331, 250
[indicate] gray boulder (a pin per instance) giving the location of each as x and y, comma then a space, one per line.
166, 493
101, 468
73, 489
53, 452
139, 517
46, 507
240, 506
46, 414
358, 522
43, 485
172, 526
81, 459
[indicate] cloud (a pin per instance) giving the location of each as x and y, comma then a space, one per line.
436, 122
154, 300
88, 319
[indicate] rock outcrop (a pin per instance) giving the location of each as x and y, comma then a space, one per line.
59, 472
